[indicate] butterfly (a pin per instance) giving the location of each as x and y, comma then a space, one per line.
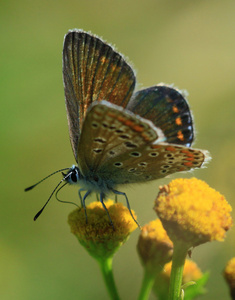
119, 136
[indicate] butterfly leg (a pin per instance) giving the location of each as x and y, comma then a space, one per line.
102, 201
83, 203
80, 195
128, 205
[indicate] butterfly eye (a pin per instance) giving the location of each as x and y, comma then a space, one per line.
74, 177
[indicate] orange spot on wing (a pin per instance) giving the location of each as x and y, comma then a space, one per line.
175, 109
138, 128
180, 135
145, 137
169, 148
190, 158
103, 59
121, 119
178, 121
129, 123
112, 115
187, 153
188, 164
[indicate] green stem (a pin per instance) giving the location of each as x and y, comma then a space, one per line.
147, 285
178, 260
107, 272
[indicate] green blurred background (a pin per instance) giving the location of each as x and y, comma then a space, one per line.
188, 43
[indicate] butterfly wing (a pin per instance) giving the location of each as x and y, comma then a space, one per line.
168, 109
120, 148
92, 71
108, 131
155, 162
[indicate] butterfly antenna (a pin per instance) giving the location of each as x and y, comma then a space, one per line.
62, 201
65, 177
41, 210
32, 186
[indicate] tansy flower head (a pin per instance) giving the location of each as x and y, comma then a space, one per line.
192, 212
154, 246
191, 273
229, 275
98, 236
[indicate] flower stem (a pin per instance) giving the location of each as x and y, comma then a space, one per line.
107, 272
147, 285
178, 260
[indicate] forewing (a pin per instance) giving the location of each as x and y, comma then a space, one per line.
168, 109
92, 71
110, 131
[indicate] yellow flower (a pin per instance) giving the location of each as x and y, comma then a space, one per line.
192, 212
229, 275
154, 246
97, 235
191, 272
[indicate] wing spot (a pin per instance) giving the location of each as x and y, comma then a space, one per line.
97, 150
118, 164
178, 121
175, 109
119, 131
163, 171
105, 125
153, 154
112, 127
170, 148
180, 135
135, 154
124, 136
130, 145
111, 152
188, 164
94, 125
100, 140
132, 170
142, 164
165, 166
147, 177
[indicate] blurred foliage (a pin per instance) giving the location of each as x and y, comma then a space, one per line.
188, 43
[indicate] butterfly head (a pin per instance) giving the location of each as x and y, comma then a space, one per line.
73, 176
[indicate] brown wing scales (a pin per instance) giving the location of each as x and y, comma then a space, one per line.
92, 71
108, 131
